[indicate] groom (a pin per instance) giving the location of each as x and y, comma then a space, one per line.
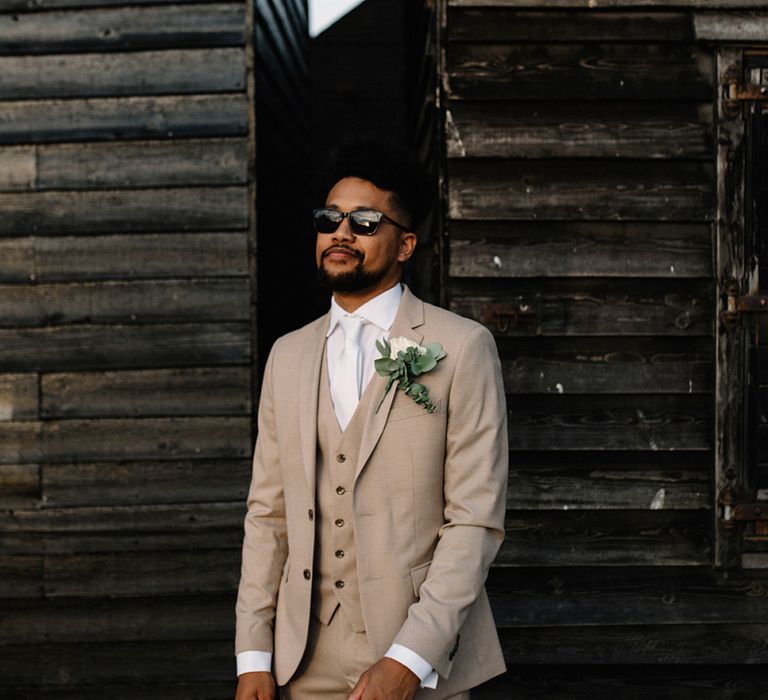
373, 515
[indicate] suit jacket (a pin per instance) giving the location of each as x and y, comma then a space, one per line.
428, 499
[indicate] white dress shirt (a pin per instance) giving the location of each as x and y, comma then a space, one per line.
379, 314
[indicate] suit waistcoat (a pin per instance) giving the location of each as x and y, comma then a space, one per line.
335, 581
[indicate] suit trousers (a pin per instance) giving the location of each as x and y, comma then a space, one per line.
335, 658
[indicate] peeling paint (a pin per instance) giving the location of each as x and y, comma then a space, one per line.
559, 388
497, 261
455, 142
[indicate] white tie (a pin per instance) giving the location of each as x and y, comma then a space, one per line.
345, 390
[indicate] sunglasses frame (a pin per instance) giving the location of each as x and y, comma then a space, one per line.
347, 214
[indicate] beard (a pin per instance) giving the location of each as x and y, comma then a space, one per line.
357, 279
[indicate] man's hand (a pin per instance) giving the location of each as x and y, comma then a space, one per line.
387, 679
258, 685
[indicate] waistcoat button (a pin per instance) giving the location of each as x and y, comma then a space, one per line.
341, 457
339, 522
341, 490
339, 553
339, 584
307, 574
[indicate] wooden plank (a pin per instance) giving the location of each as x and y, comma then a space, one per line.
142, 164
142, 574
20, 486
637, 365
578, 71
581, 596
118, 346
731, 26
589, 309
90, 75
616, 422
511, 25
615, 538
68, 620
158, 392
14, 5
20, 442
569, 129
209, 24
158, 690
126, 483
155, 301
559, 249
120, 662
552, 487
643, 644
580, 190
123, 117
18, 168
162, 210
145, 438
18, 397
136, 256
18, 260
21, 576
589, 681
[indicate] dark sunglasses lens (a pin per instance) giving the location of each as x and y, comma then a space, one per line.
327, 220
364, 223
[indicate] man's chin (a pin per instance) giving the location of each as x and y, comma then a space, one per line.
350, 281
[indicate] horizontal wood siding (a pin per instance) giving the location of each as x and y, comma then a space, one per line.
580, 184
127, 343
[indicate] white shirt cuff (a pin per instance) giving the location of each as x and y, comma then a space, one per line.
411, 660
250, 661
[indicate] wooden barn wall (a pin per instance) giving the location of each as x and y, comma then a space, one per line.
579, 182
127, 339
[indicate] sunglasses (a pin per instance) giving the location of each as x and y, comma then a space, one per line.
362, 222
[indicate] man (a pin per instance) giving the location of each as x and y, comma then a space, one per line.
373, 515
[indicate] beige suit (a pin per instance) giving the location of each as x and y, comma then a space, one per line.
428, 502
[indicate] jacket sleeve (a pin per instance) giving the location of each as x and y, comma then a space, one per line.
265, 542
475, 485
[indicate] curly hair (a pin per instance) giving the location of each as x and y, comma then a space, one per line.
388, 165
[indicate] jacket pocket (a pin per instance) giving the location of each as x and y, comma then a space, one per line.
418, 574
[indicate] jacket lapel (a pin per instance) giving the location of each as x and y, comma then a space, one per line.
309, 383
409, 317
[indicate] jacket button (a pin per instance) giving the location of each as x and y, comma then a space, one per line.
341, 490
339, 522
339, 584
339, 553
307, 574
341, 457
311, 514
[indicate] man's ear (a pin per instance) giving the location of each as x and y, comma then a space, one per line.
407, 245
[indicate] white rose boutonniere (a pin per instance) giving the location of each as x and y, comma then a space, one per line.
401, 361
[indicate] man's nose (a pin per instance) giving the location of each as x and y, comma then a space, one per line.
344, 233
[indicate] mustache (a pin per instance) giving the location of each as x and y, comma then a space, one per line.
338, 247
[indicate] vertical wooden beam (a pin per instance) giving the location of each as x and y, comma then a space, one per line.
250, 52
730, 345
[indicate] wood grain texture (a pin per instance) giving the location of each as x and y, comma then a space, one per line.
206, 25
731, 26
18, 168
142, 164
157, 690
33, 5
145, 482
91, 346
156, 392
18, 396
615, 129
135, 256
155, 301
119, 211
122, 117
19, 487
603, 538
584, 4
580, 190
620, 422
578, 71
496, 24
580, 250
90, 75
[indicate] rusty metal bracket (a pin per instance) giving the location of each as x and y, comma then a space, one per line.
737, 92
737, 306
505, 318
751, 511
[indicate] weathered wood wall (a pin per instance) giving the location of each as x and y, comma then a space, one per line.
580, 184
127, 339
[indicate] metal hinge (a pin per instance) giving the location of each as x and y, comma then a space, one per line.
737, 92
737, 306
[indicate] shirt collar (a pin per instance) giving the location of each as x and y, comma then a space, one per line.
380, 311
